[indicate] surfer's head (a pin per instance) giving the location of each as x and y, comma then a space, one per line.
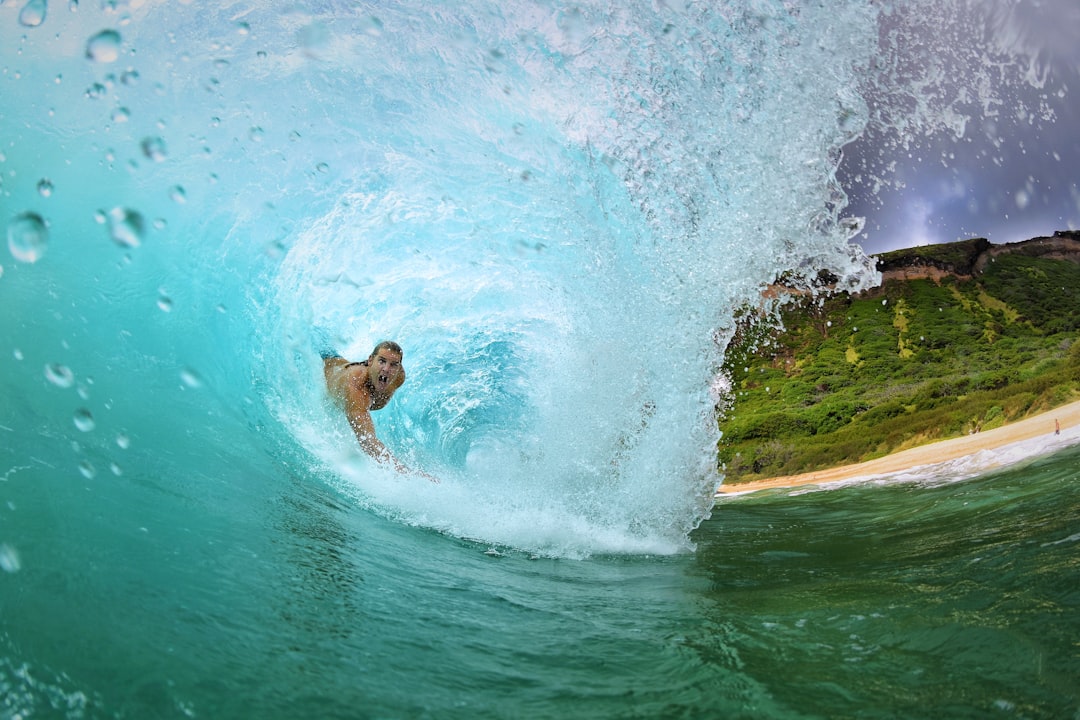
387, 345
384, 367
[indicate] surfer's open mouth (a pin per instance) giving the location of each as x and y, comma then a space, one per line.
384, 379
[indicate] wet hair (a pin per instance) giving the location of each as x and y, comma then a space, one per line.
387, 345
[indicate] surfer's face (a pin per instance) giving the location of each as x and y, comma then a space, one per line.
384, 368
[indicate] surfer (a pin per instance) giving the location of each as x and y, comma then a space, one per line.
363, 387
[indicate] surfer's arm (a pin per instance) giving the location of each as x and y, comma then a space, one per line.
364, 429
357, 405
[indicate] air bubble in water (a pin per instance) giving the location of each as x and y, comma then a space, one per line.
104, 47
154, 148
33, 13
59, 375
84, 420
27, 237
126, 227
45, 187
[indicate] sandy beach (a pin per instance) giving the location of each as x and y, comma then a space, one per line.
1067, 417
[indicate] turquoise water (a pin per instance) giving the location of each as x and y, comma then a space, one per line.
554, 210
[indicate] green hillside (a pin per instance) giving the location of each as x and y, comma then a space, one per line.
851, 378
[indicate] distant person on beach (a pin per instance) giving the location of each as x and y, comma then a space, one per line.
363, 387
1057, 427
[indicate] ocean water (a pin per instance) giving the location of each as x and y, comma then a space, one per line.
555, 210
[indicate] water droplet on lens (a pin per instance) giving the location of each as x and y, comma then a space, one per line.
45, 187
87, 470
84, 420
59, 375
121, 115
126, 227
323, 167
32, 14
177, 194
95, 91
27, 237
116, 469
371, 25
123, 441
165, 303
9, 559
256, 134
313, 39
190, 378
154, 148
104, 47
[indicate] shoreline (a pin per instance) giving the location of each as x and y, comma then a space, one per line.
936, 453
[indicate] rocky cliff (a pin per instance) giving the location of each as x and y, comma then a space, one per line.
968, 258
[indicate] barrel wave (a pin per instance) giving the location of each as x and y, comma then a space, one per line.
553, 221
556, 210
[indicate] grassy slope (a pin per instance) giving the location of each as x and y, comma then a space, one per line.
854, 378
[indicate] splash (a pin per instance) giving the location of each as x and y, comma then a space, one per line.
554, 220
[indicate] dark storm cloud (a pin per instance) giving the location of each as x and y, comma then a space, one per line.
972, 131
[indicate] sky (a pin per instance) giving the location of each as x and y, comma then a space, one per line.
995, 152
